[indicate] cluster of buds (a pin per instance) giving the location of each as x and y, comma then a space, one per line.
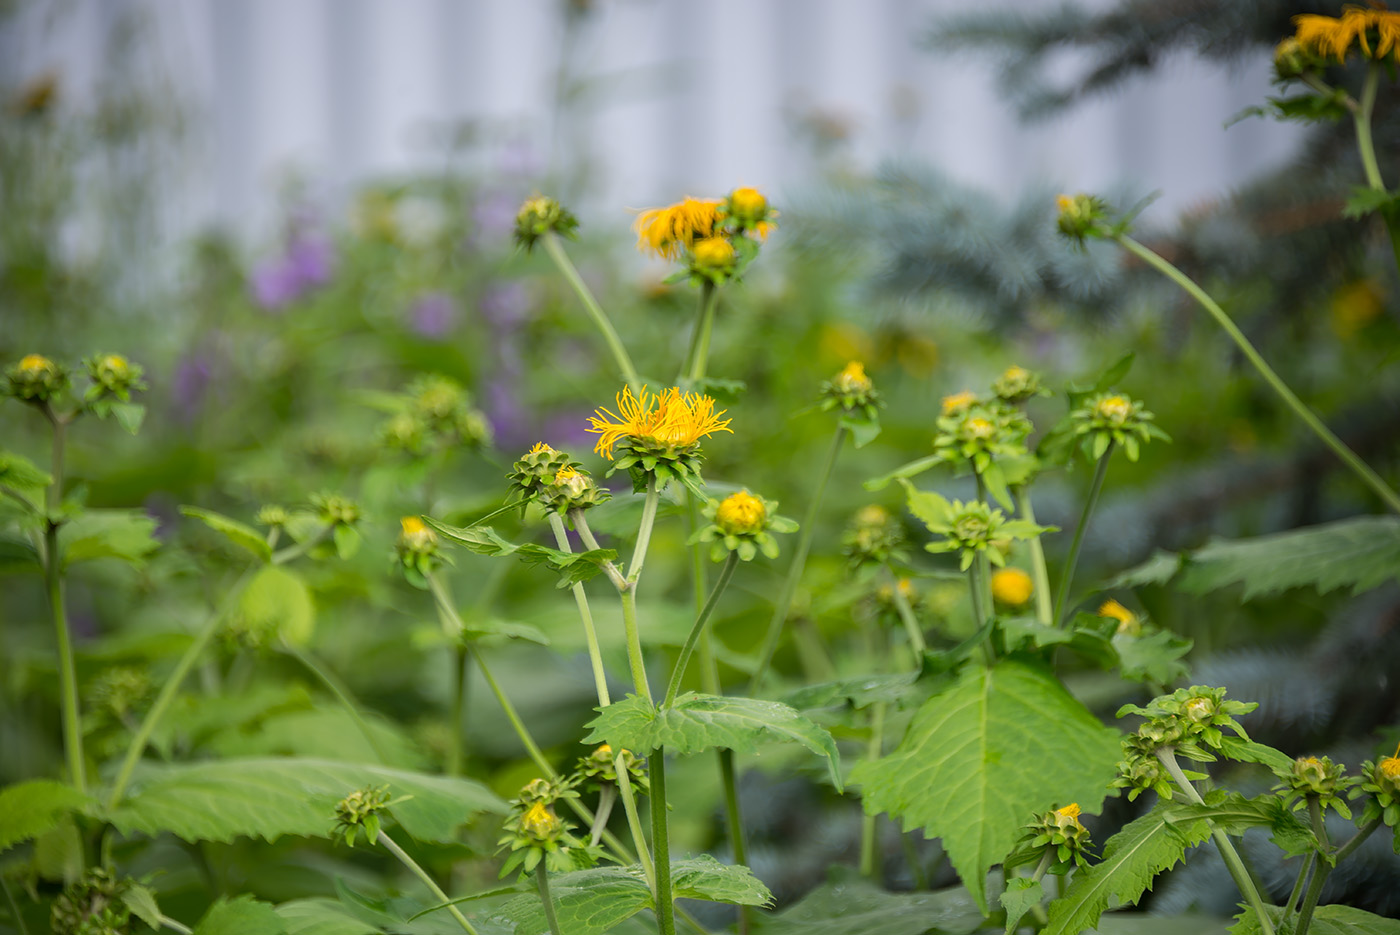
1057, 832
1190, 721
113, 377
873, 539
338, 515
716, 238
539, 216
433, 414
95, 904
36, 379
534, 832
39, 381
361, 809
418, 550
600, 768
975, 431
1112, 418
742, 523
1316, 779
969, 528
554, 480
1017, 384
851, 390
1381, 780
1012, 587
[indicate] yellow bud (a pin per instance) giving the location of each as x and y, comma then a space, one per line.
539, 822
958, 402
741, 514
1127, 620
33, 362
1068, 816
1114, 409
978, 427
1011, 586
540, 448
713, 253
748, 202
1389, 767
852, 379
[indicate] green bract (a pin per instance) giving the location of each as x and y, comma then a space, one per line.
968, 528
742, 523
539, 216
1112, 418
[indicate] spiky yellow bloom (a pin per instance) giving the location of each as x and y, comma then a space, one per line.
741, 513
671, 418
1332, 37
666, 231
540, 448
1127, 620
1011, 586
1068, 816
958, 402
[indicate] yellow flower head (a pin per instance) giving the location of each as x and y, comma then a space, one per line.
1332, 37
666, 231
958, 402
572, 482
906, 590
539, 822
32, 363
415, 536
713, 253
1115, 409
872, 515
1064, 203
749, 209
670, 418
540, 448
1389, 767
741, 514
1127, 620
852, 379
1011, 586
1068, 816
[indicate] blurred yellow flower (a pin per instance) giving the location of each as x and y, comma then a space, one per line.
1011, 586
671, 418
1332, 37
666, 231
958, 402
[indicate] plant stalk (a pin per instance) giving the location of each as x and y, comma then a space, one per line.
1361, 116
542, 879
566, 266
342, 694
906, 616
1040, 575
1300, 409
660, 842
174, 925
456, 757
700, 341
53, 581
726, 572
1067, 576
428, 881
873, 751
590, 633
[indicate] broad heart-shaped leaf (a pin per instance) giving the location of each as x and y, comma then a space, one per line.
850, 905
28, 809
1327, 920
120, 534
981, 758
1360, 553
700, 722
591, 902
1131, 859
270, 797
238, 533
858, 692
573, 567
241, 915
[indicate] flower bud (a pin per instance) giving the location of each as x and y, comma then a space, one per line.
747, 209
1114, 409
959, 403
1078, 215
1128, 622
741, 514
540, 823
113, 375
539, 216
1016, 384
1011, 586
713, 256
415, 538
36, 379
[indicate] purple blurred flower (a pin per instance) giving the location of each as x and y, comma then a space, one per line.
311, 256
494, 218
190, 384
281, 280
433, 314
506, 304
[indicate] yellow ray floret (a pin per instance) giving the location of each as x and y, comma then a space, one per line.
665, 231
670, 417
1332, 37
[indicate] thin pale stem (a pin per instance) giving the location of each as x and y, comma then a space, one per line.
428, 881
296, 551
873, 751
600, 318
709, 299
1040, 576
660, 843
1361, 116
53, 580
1300, 409
725, 574
456, 756
174, 926
169, 690
1302, 879
1237, 869
1324, 866
590, 633
1038, 910
906, 615
586, 534
21, 926
734, 819
635, 659
542, 880
639, 555
634, 822
607, 796
979, 582
1067, 575
799, 563
342, 694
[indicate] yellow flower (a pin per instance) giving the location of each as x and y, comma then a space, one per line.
852, 379
741, 513
1332, 37
670, 418
540, 448
572, 482
1064, 202
539, 822
958, 402
666, 231
978, 427
749, 208
1068, 816
1389, 767
1011, 586
1127, 620
1115, 409
35, 362
713, 253
415, 536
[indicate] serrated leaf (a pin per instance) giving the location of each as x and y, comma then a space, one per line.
241, 915
1160, 568
122, 534
1326, 920
702, 722
271, 797
984, 756
29, 809
1019, 896
1365, 200
16, 554
911, 469
129, 415
1155, 657
239, 534
322, 917
704, 877
142, 903
1247, 751
1132, 858
572, 566
847, 904
277, 601
1234, 814
858, 692
1360, 553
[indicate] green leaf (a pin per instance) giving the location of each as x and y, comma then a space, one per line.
1247, 751
848, 904
572, 566
271, 797
863, 429
1234, 814
1365, 200
238, 533
122, 534
1155, 657
857, 692
704, 877
1360, 553
1131, 859
142, 903
29, 809
1326, 920
907, 470
933, 509
16, 554
277, 601
1020, 895
981, 758
511, 630
19, 473
129, 415
241, 915
322, 917
1160, 568
700, 722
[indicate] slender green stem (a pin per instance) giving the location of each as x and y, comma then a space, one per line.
342, 694
1298, 886
53, 581
586, 534
639, 554
456, 756
709, 298
734, 821
1324, 866
1319, 826
1300, 409
1237, 869
428, 881
979, 583
1040, 576
1357, 839
725, 573
1038, 910
906, 615
873, 751
301, 548
799, 563
174, 926
634, 821
1361, 116
20, 924
607, 796
542, 880
634, 645
660, 843
566, 266
170, 689
590, 633
1067, 575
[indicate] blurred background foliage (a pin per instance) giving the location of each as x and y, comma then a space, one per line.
273, 368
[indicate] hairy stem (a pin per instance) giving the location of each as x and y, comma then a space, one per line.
1300, 409
542, 880
725, 573
1040, 575
555, 249
1067, 575
1298, 886
660, 843
428, 881
585, 533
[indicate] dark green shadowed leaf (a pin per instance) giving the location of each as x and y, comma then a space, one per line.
848, 904
28, 809
1327, 920
322, 917
241, 915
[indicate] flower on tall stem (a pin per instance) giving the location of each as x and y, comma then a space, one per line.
1376, 33
668, 231
742, 523
657, 434
539, 216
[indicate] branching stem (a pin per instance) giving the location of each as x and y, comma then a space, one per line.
600, 318
428, 881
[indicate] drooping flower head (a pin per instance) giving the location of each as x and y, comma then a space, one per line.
671, 419
1128, 621
1375, 32
669, 230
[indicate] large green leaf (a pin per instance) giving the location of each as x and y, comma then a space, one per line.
20, 474
239, 534
857, 692
28, 809
241, 915
322, 917
1359, 553
1234, 814
591, 902
848, 904
267, 798
981, 758
701, 722
1327, 920
1131, 859
122, 534
1020, 895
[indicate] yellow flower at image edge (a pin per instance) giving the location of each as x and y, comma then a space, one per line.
671, 418
1011, 586
665, 231
1389, 767
741, 513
